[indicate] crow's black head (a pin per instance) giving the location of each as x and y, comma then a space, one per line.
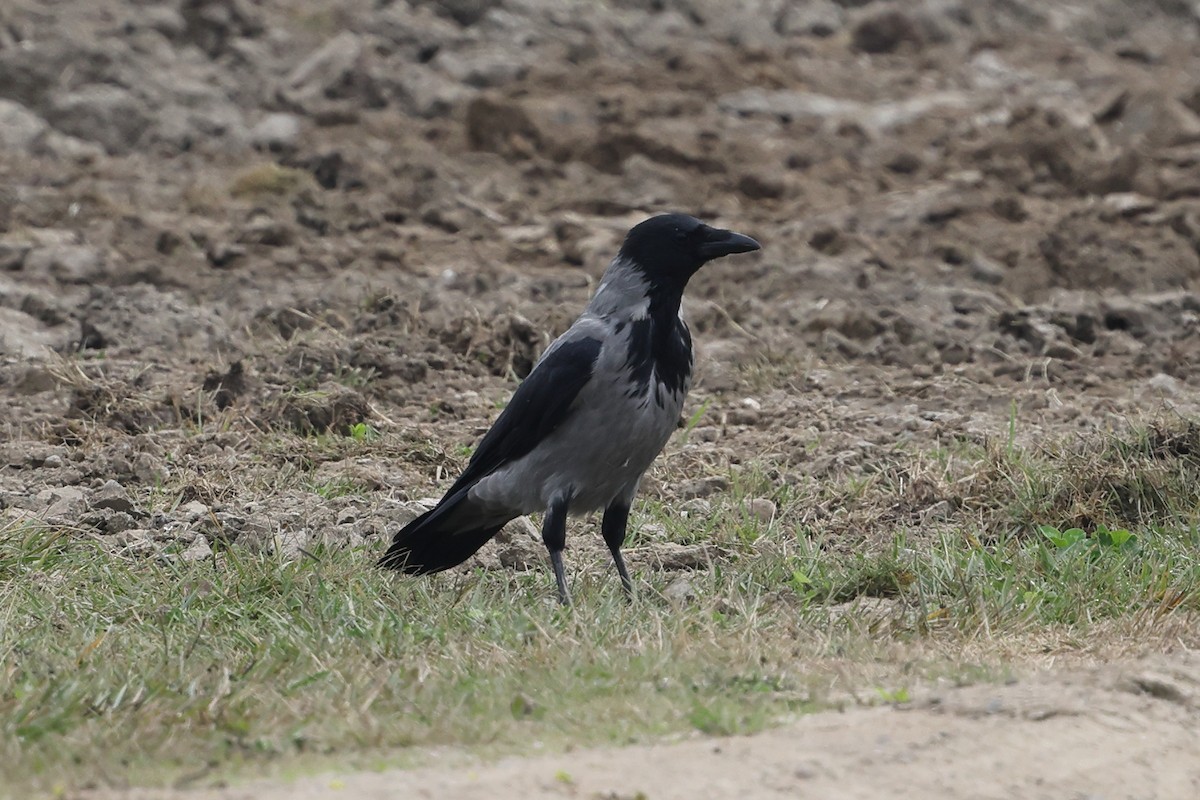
671, 247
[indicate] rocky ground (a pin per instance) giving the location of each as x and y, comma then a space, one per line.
266, 268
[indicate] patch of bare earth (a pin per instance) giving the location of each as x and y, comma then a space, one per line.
1131, 732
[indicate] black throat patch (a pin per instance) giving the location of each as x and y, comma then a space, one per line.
660, 347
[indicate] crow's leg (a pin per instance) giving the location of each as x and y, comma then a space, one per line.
554, 534
616, 517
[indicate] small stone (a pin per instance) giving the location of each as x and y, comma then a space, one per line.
984, 270
149, 469
1152, 118
63, 502
670, 556
193, 511
1164, 384
116, 522
705, 433
762, 509
702, 487
257, 534
1128, 204
955, 353
276, 133
743, 415
223, 254
221, 527
520, 529
397, 514
21, 336
112, 495
680, 591
198, 550
263, 230
20, 128
291, 544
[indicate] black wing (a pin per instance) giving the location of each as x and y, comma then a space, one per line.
539, 406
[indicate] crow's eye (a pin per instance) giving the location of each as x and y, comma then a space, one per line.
680, 235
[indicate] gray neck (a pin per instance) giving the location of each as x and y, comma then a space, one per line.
623, 291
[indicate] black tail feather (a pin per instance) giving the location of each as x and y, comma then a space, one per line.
441, 538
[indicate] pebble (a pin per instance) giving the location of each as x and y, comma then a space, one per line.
984, 270
1165, 384
277, 133
520, 529
703, 487
193, 510
680, 591
112, 495
198, 550
762, 509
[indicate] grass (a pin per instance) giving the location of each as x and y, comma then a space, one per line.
167, 667
160, 671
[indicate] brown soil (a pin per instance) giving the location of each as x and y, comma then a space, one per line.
227, 224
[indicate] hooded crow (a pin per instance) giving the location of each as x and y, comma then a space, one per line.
583, 427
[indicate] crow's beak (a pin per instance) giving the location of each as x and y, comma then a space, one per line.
723, 243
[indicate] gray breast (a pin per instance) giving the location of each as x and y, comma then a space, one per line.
617, 429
